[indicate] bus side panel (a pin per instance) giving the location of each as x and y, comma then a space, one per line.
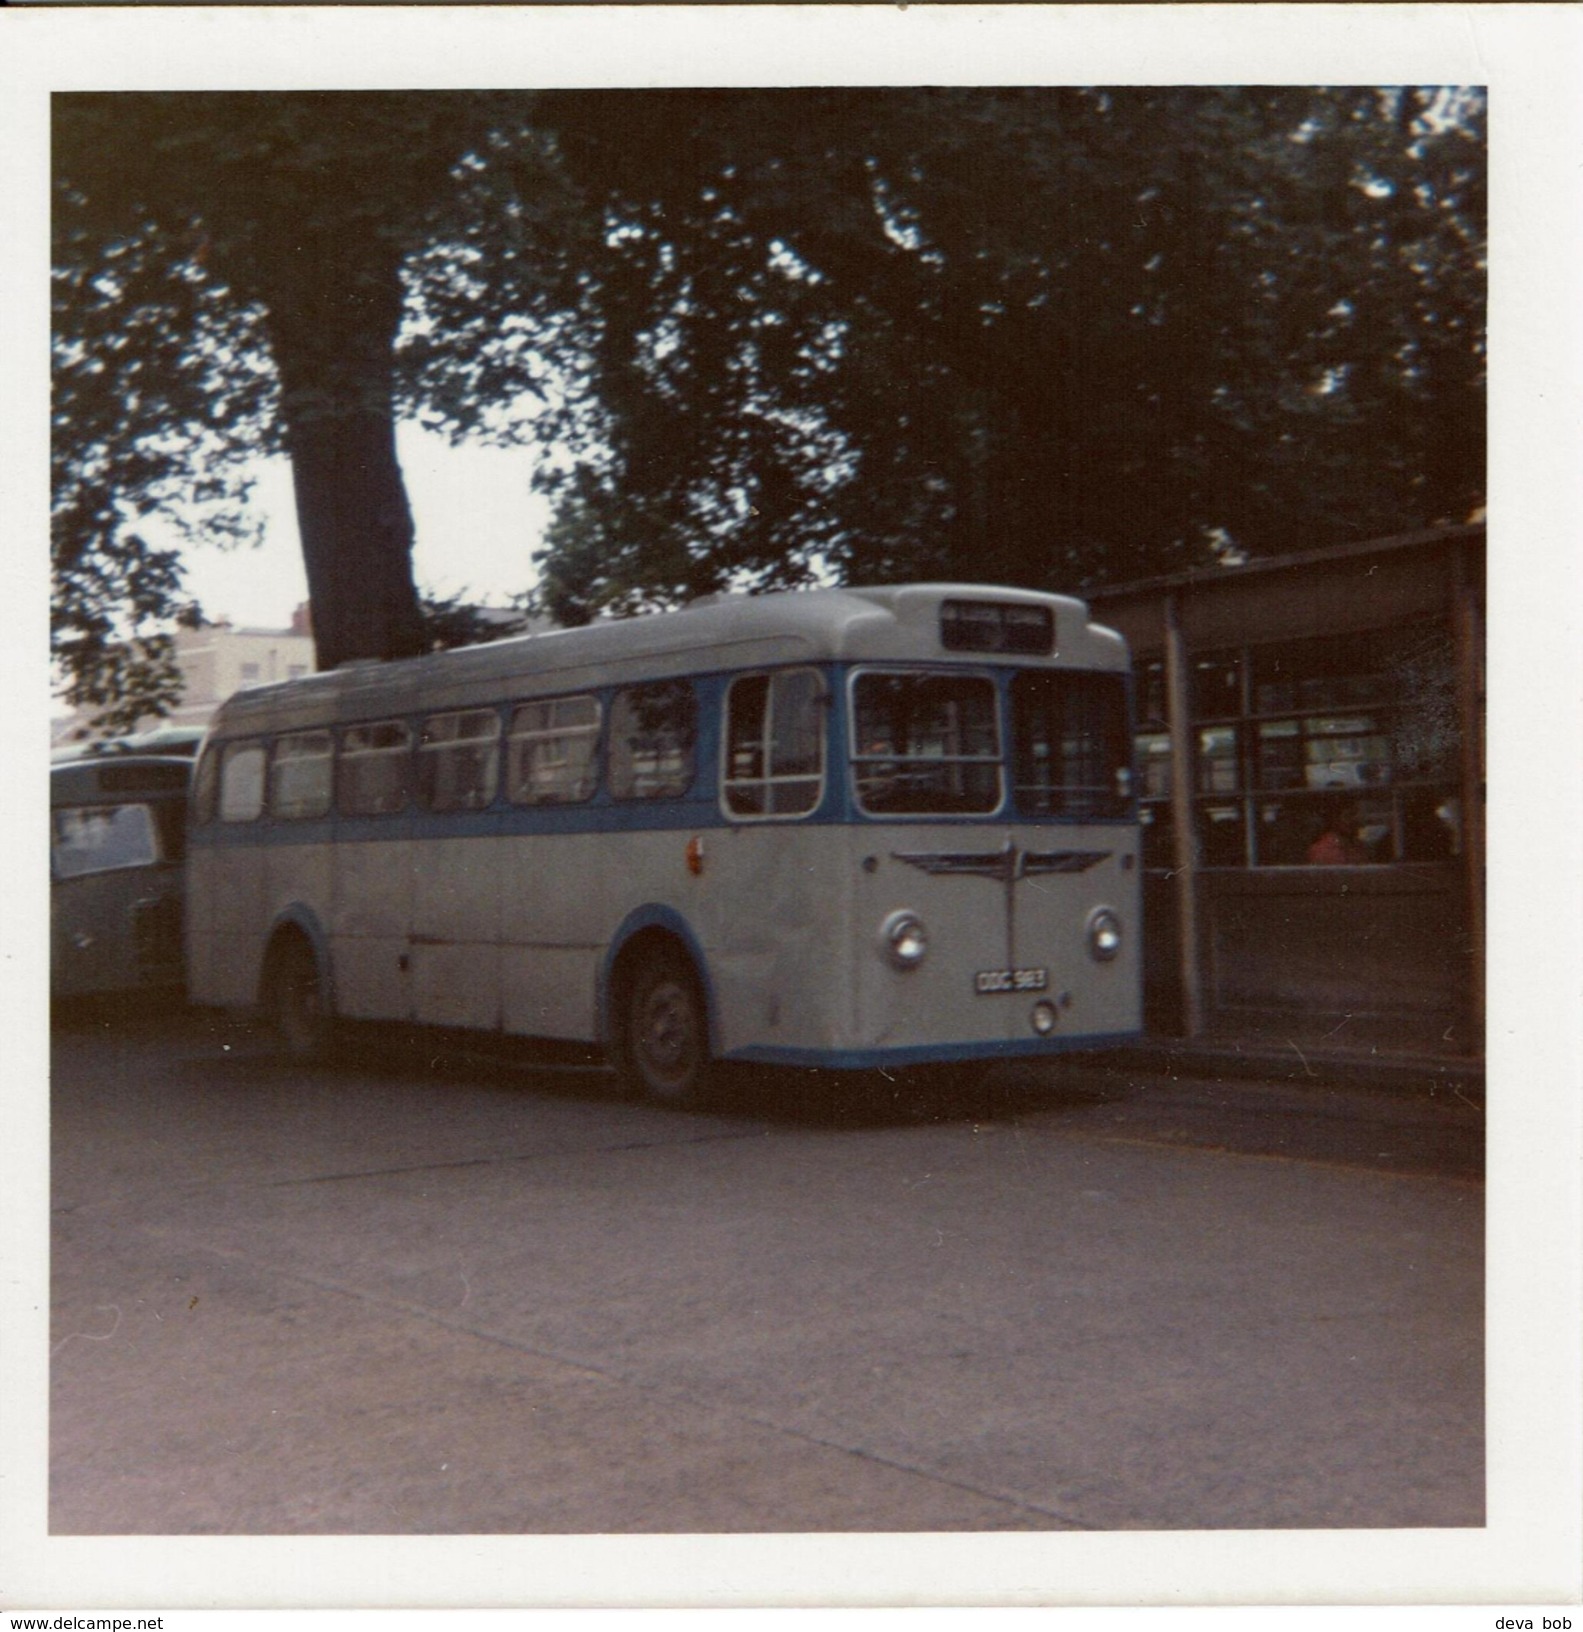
771, 906
203, 973
369, 927
548, 991
228, 883
299, 876
555, 895
456, 932
760, 909
562, 896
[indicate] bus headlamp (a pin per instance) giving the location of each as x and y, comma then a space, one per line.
1104, 935
904, 939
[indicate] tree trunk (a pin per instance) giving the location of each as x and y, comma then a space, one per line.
333, 326
357, 537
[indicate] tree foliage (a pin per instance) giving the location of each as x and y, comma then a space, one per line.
1033, 336
1029, 336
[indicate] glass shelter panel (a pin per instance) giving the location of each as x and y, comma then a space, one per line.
1322, 750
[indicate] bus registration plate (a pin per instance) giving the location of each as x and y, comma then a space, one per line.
987, 982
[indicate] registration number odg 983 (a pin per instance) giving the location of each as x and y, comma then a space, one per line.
987, 982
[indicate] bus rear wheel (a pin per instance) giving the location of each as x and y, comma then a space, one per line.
294, 1000
665, 1053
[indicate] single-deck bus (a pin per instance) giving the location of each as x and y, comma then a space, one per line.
845, 828
117, 838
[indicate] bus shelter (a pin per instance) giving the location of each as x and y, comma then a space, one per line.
1310, 758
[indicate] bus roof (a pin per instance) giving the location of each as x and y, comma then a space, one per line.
714, 633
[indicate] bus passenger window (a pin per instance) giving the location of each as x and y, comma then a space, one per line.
653, 732
242, 782
458, 763
550, 756
300, 780
374, 772
775, 743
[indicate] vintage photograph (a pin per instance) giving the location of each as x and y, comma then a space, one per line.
768, 820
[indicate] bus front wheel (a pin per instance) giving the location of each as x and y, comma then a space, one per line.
666, 1043
294, 1000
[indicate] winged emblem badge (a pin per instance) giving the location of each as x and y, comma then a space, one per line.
1006, 865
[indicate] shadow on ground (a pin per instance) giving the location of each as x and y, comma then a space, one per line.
1095, 1095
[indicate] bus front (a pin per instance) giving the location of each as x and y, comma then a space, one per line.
994, 863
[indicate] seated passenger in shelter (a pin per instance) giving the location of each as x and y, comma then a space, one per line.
1338, 844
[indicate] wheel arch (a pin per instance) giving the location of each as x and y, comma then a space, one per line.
651, 926
299, 922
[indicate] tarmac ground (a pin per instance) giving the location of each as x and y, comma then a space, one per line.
421, 1292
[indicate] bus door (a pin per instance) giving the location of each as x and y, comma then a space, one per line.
371, 911
228, 887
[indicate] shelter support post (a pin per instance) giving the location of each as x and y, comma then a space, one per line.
1184, 829
1467, 626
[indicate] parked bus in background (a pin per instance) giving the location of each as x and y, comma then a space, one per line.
117, 841
837, 828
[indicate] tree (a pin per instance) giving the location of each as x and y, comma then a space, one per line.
233, 272
1033, 336
147, 416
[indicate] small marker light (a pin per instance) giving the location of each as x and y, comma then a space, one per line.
1043, 1018
695, 855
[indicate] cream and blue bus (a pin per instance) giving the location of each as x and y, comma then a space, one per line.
842, 828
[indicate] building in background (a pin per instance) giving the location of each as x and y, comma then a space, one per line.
1310, 756
216, 660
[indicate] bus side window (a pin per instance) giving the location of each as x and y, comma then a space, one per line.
374, 770
300, 785
775, 743
550, 757
242, 782
458, 760
653, 734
